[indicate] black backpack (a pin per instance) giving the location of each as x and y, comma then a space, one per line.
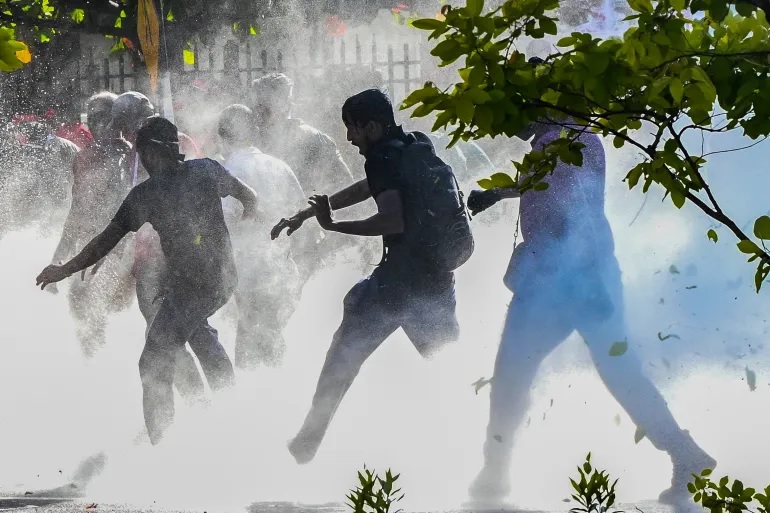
437, 228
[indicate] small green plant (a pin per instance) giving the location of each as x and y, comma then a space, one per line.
375, 494
726, 496
593, 491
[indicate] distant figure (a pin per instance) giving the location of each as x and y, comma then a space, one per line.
101, 181
565, 278
41, 187
269, 284
312, 155
182, 201
418, 207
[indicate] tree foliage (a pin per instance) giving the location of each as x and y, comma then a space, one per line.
727, 495
684, 68
13, 54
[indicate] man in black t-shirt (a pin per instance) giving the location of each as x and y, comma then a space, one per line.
400, 293
182, 201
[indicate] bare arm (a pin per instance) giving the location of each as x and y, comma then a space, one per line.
388, 220
347, 197
232, 186
73, 225
94, 251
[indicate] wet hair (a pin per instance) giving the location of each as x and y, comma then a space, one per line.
160, 132
370, 105
102, 101
276, 86
236, 123
131, 105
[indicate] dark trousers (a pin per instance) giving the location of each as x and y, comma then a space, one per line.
182, 317
149, 278
373, 309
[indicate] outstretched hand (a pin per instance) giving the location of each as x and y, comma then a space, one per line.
479, 201
323, 210
291, 225
51, 274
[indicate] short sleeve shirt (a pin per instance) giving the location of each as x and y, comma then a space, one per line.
382, 174
184, 206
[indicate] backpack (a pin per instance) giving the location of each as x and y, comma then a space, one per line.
437, 228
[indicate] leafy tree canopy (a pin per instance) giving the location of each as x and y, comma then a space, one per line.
684, 67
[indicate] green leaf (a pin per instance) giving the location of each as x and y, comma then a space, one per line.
502, 180
619, 348
475, 7
78, 15
253, 30
762, 228
464, 107
477, 75
549, 26
447, 50
677, 90
677, 197
678, 4
748, 247
484, 117
478, 96
597, 63
712, 235
189, 57
746, 10
428, 24
486, 184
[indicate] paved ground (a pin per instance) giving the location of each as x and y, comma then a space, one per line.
44, 504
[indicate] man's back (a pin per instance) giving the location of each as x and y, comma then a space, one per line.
312, 155
572, 208
276, 186
184, 207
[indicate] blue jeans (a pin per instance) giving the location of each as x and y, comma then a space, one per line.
545, 310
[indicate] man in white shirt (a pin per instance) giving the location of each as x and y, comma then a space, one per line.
269, 286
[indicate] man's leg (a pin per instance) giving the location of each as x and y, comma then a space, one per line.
166, 337
430, 321
259, 338
365, 325
215, 363
182, 316
532, 330
90, 313
636, 393
149, 276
